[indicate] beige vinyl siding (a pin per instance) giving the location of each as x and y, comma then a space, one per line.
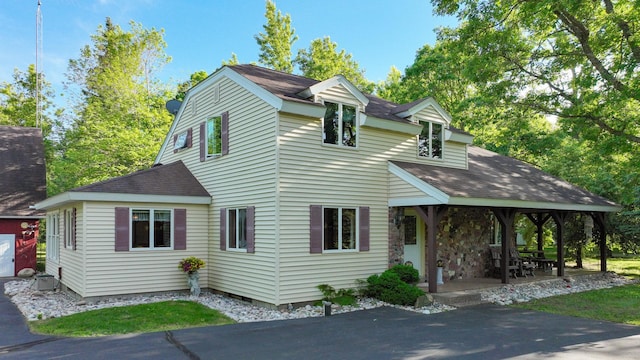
311, 173
72, 261
399, 189
244, 177
454, 154
339, 94
138, 271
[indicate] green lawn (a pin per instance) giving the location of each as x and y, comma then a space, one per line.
160, 316
619, 304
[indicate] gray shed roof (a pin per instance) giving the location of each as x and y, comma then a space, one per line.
170, 179
22, 171
171, 183
497, 179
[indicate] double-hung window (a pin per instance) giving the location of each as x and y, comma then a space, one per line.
340, 126
214, 136
151, 229
340, 228
237, 229
430, 140
53, 236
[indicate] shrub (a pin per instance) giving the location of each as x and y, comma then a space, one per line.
390, 288
340, 297
407, 273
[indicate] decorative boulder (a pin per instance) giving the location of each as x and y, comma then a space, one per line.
424, 300
26, 273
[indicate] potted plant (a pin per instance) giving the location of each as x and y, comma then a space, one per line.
440, 265
190, 266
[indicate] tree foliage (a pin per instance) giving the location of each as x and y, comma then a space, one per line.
119, 116
18, 105
573, 61
276, 41
323, 61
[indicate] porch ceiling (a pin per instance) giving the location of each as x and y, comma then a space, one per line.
494, 180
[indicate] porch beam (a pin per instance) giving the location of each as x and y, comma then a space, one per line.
506, 217
599, 220
432, 218
539, 219
560, 218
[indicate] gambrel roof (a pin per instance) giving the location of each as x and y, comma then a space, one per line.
22, 172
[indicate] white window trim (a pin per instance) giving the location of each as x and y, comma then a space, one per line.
53, 236
430, 157
206, 142
357, 230
340, 145
151, 230
228, 247
68, 229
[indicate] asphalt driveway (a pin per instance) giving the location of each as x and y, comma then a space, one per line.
479, 332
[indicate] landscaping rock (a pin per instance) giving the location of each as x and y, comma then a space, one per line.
26, 273
423, 301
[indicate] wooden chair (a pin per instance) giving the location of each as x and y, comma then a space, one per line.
525, 267
496, 257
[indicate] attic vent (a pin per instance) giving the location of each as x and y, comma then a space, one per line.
216, 94
194, 108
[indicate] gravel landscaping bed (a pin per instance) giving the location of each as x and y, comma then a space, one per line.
36, 305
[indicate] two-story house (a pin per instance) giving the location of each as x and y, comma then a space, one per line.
282, 183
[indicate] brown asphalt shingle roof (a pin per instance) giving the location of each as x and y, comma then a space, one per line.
22, 171
170, 179
288, 86
494, 176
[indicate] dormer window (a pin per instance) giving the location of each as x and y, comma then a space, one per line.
430, 140
340, 125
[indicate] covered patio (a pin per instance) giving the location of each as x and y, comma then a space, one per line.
502, 186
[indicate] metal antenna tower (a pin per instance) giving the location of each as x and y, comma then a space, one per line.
38, 66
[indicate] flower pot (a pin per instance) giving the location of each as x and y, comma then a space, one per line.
193, 281
439, 277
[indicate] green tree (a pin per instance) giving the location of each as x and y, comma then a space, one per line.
276, 41
322, 61
18, 106
232, 61
194, 79
575, 60
119, 116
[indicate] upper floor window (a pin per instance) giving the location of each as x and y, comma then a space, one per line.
214, 136
430, 140
150, 228
340, 125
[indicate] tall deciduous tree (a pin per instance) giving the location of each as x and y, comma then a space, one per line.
322, 61
120, 121
276, 41
18, 105
578, 60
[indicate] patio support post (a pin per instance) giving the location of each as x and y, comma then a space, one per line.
507, 219
560, 217
599, 220
539, 220
431, 217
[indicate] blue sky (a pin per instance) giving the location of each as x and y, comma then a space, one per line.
200, 34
